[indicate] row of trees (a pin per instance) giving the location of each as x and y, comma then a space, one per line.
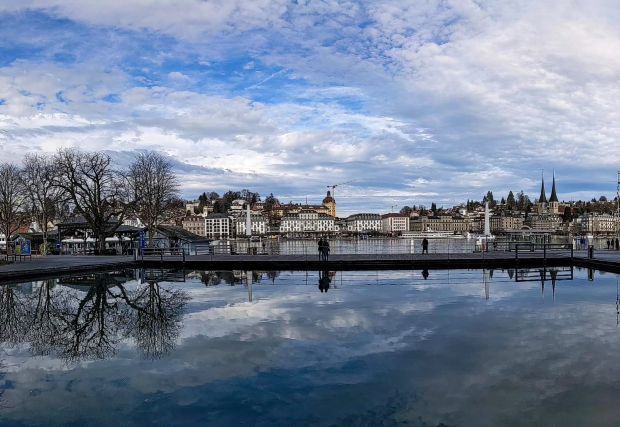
73, 182
222, 204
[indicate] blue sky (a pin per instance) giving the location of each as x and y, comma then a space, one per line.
418, 101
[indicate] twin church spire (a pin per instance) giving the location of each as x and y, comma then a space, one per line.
543, 196
548, 206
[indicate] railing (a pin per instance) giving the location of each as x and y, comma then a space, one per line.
161, 252
309, 248
543, 247
385, 246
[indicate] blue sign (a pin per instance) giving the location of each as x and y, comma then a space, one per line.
58, 245
22, 248
142, 239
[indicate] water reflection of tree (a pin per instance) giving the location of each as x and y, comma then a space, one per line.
77, 327
92, 326
13, 310
156, 315
45, 329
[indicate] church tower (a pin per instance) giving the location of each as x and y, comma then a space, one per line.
554, 204
542, 200
330, 203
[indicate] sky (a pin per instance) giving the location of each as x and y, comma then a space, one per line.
416, 101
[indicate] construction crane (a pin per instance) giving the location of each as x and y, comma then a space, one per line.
333, 187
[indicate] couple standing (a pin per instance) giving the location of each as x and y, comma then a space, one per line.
323, 250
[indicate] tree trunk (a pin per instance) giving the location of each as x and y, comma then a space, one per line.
101, 243
151, 234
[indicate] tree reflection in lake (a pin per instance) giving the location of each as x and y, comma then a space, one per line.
13, 311
156, 314
90, 315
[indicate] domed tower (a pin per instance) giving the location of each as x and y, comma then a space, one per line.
330, 204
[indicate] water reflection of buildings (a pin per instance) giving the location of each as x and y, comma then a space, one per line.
542, 275
545, 274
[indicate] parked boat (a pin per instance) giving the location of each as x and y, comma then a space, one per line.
430, 234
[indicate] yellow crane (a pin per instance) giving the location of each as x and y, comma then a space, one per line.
333, 187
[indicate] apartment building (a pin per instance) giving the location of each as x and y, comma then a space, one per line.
394, 223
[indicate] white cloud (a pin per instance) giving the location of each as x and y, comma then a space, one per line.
177, 75
467, 96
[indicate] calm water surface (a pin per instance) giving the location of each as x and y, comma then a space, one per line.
389, 348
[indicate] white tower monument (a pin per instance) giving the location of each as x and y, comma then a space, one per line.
487, 227
248, 223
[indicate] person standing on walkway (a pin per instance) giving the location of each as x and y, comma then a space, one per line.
321, 244
617, 244
326, 250
608, 244
425, 246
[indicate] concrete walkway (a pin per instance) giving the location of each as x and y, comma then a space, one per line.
42, 267
61, 264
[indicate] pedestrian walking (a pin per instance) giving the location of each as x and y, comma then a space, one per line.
608, 244
321, 243
425, 246
617, 244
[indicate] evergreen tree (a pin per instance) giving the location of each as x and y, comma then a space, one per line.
510, 200
567, 217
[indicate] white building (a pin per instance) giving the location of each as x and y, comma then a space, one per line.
2, 241
217, 226
394, 223
259, 224
364, 223
307, 221
236, 206
133, 222
593, 223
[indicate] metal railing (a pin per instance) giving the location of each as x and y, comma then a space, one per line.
161, 252
545, 248
378, 247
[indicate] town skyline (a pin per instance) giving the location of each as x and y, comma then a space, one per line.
382, 208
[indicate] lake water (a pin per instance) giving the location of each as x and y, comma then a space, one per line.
387, 348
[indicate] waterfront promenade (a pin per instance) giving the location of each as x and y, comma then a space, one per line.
52, 266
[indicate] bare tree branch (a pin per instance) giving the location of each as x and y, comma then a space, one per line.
155, 189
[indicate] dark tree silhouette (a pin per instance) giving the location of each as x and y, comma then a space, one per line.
44, 328
13, 312
98, 191
75, 326
156, 317
92, 326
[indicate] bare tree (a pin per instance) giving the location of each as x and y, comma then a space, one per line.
43, 196
12, 200
98, 191
155, 189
